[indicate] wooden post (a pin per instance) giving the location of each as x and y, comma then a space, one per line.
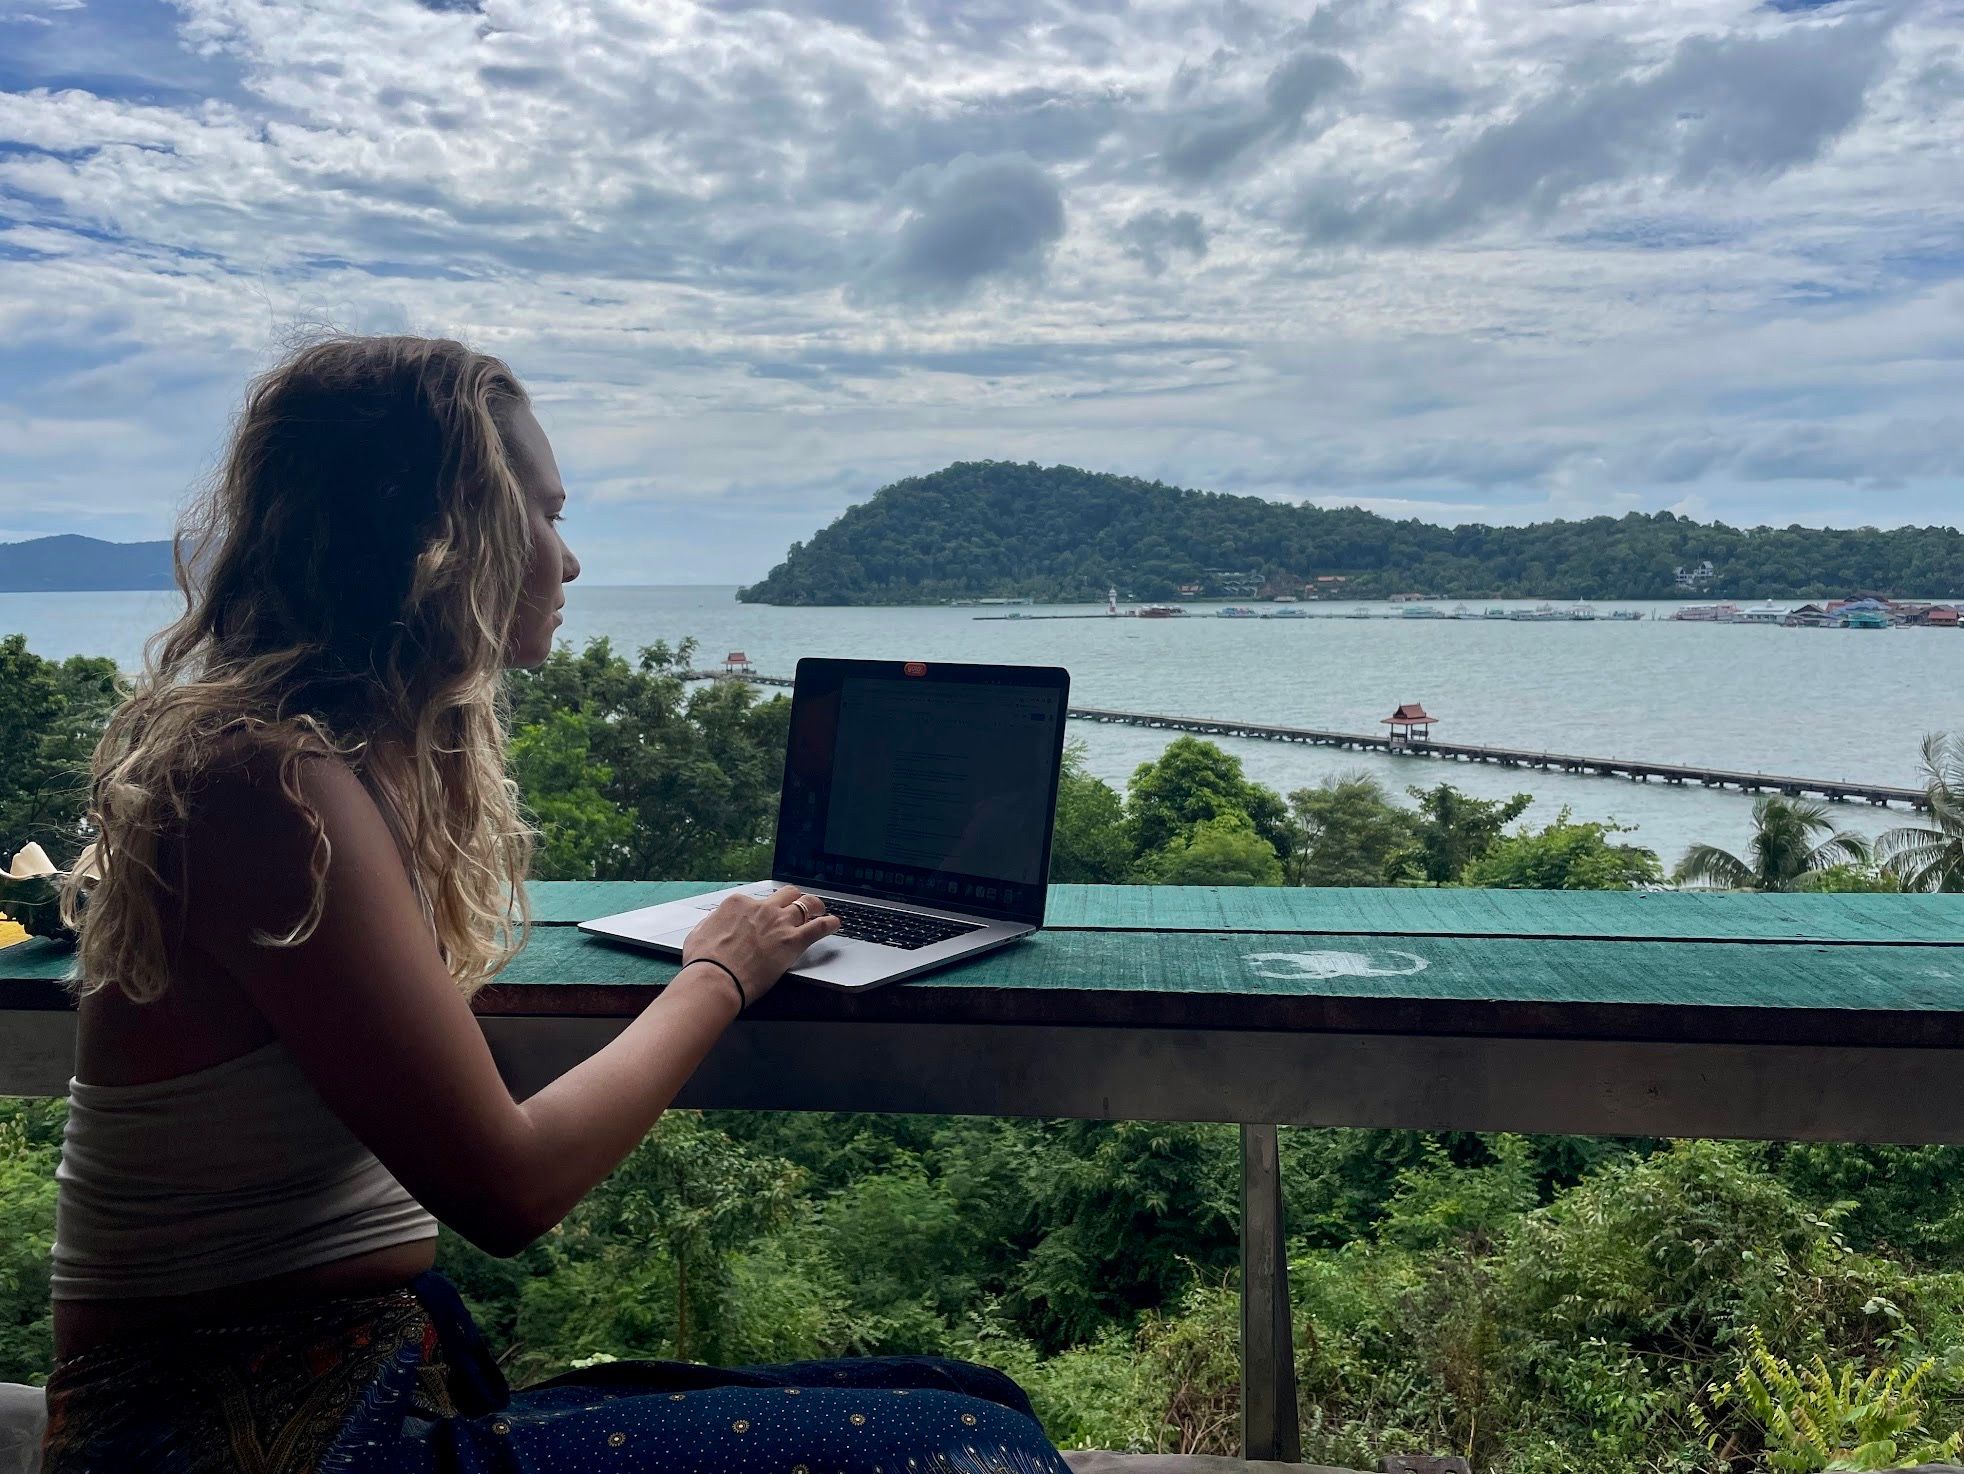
1268, 1355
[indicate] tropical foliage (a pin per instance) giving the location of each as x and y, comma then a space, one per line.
1930, 856
988, 528
1814, 1418
1542, 1305
1565, 856
1787, 851
50, 714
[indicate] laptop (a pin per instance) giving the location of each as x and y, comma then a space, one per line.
918, 802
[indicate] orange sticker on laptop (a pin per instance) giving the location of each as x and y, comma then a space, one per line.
914, 668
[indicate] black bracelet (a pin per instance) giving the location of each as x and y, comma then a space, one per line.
743, 998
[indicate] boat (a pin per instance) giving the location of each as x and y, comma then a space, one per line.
1706, 613
1421, 611
1287, 614
1360, 614
1162, 611
1495, 612
1626, 614
1460, 611
1283, 599
1237, 611
1540, 614
1582, 611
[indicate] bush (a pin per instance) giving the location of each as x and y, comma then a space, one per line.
1813, 1419
30, 1142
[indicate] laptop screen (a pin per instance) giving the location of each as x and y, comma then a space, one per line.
937, 787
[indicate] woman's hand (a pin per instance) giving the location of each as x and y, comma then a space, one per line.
758, 939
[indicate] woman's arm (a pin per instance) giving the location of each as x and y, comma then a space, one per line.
369, 1012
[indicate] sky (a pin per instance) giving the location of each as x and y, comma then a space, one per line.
1460, 260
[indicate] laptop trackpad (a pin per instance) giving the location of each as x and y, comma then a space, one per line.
824, 950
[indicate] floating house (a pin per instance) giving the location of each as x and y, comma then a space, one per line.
1707, 613
1763, 614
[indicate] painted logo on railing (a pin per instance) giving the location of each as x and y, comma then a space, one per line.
1292, 967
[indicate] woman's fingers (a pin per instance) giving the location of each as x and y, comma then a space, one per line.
807, 908
816, 930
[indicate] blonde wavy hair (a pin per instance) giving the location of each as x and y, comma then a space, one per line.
350, 578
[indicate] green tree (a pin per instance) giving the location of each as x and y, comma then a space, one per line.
1851, 878
582, 832
1192, 781
1786, 852
1930, 857
1224, 850
642, 1266
1564, 856
30, 1143
1453, 829
1119, 1216
1089, 845
695, 771
51, 713
1348, 832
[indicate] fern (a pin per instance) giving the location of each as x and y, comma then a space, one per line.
1814, 1418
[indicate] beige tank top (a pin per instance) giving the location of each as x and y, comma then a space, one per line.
219, 1177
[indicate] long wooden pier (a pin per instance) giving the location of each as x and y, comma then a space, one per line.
1834, 790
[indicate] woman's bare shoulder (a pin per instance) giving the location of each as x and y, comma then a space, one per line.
256, 817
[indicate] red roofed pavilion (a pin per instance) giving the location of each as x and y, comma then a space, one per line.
735, 663
1409, 723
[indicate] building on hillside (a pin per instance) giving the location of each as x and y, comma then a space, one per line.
1409, 723
1695, 576
1229, 585
1325, 586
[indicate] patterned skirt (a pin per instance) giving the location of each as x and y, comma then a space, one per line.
403, 1384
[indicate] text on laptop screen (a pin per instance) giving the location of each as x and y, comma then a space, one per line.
930, 790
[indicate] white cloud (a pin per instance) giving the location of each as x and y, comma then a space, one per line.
756, 258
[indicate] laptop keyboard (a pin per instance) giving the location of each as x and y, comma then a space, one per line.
906, 930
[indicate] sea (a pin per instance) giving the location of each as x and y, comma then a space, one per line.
1843, 704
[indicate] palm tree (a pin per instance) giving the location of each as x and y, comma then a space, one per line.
1783, 854
1930, 857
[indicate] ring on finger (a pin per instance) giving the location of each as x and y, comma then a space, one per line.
803, 914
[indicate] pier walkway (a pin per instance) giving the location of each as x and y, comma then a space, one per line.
1834, 790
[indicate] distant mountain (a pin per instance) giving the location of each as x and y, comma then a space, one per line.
69, 563
982, 529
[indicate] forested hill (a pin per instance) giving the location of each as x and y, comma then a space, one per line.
996, 528
67, 563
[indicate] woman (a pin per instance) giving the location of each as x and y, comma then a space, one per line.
309, 855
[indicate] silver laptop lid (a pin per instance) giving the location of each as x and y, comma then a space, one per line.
925, 782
